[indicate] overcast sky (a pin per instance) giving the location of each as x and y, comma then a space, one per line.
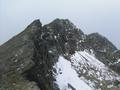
101, 16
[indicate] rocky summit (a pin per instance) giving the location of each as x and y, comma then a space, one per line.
59, 56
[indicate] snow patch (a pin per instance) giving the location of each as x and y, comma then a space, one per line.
67, 78
118, 61
88, 66
50, 51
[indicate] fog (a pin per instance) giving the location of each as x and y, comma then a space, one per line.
90, 16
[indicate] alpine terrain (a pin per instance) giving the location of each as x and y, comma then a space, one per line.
59, 56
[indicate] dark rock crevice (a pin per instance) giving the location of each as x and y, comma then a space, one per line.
41, 72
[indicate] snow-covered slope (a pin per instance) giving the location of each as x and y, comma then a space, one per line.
84, 72
67, 78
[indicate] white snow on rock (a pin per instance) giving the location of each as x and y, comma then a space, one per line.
83, 72
67, 78
93, 65
118, 61
93, 70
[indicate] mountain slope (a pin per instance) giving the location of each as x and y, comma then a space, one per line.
16, 57
58, 56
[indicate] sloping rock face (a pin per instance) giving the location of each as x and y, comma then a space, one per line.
102, 47
27, 60
16, 57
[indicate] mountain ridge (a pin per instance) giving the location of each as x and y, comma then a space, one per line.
32, 54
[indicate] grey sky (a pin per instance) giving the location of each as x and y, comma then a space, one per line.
101, 16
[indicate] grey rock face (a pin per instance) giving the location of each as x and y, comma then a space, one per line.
102, 47
26, 60
16, 57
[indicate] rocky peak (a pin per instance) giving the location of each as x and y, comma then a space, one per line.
101, 46
64, 33
62, 25
100, 43
33, 27
36, 23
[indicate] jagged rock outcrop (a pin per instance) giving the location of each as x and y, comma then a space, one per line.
116, 64
27, 60
54, 39
102, 47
